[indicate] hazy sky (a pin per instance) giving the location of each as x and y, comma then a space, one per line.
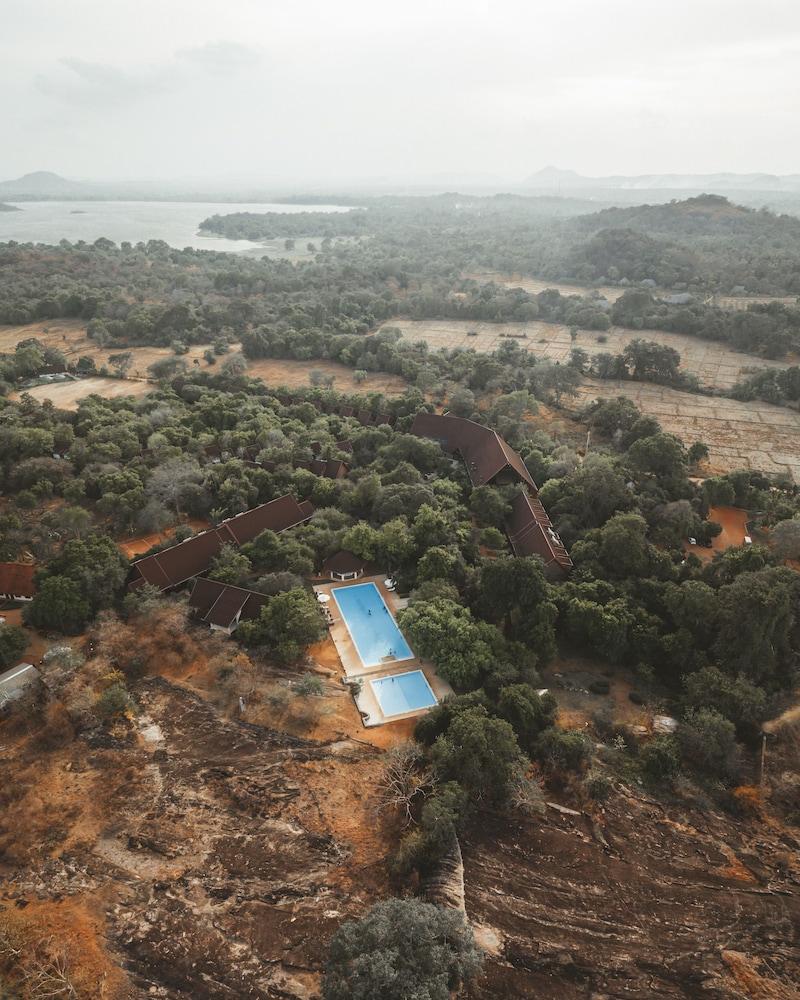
343, 89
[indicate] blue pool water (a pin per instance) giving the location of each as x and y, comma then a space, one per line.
403, 693
372, 628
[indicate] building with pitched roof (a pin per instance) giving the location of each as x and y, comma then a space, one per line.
531, 533
488, 458
222, 606
16, 581
175, 565
491, 460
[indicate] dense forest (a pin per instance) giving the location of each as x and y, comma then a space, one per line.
713, 644
704, 244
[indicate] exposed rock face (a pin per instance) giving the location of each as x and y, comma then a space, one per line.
648, 917
226, 882
217, 858
446, 886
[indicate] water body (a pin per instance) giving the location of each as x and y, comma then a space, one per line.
172, 221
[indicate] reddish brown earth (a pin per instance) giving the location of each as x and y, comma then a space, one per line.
187, 854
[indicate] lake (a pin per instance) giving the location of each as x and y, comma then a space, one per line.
174, 222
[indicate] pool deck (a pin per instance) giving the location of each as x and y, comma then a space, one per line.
354, 668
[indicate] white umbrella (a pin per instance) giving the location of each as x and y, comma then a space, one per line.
323, 598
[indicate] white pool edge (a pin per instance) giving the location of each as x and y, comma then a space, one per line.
379, 663
408, 711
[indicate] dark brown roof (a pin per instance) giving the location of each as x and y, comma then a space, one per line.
188, 559
17, 579
531, 533
344, 562
220, 603
485, 453
277, 515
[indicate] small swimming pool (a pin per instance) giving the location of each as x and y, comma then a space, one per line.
371, 626
403, 693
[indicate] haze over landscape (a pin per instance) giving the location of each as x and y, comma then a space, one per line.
399, 500
330, 93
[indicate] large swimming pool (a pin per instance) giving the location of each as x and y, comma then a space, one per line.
403, 693
371, 626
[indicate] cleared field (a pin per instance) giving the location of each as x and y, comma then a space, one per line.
536, 285
715, 365
295, 375
69, 336
739, 435
67, 395
613, 292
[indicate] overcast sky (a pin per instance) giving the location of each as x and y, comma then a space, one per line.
350, 89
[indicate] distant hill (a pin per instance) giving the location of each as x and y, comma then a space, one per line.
41, 184
8, 208
553, 179
706, 243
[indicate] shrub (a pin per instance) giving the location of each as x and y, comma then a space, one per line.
309, 686
402, 948
114, 701
563, 750
660, 758
708, 743
598, 786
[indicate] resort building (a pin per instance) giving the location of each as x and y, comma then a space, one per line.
531, 533
489, 460
182, 562
16, 581
222, 606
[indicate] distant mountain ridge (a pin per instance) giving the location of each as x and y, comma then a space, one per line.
41, 183
555, 179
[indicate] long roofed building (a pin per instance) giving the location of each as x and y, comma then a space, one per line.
175, 565
491, 460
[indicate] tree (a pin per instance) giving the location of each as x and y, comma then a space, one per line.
234, 365
403, 949
287, 624
489, 505
661, 455
229, 566
563, 749
698, 452
660, 759
528, 712
462, 401
121, 363
12, 644
786, 539
166, 369
708, 743
756, 623
515, 594
736, 698
480, 752
58, 605
447, 634
95, 565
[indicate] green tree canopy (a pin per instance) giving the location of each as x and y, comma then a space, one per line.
403, 949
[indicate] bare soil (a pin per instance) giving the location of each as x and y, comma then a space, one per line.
715, 364
67, 395
752, 435
69, 336
295, 374
191, 855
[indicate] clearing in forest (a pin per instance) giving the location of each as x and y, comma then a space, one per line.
752, 435
715, 364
